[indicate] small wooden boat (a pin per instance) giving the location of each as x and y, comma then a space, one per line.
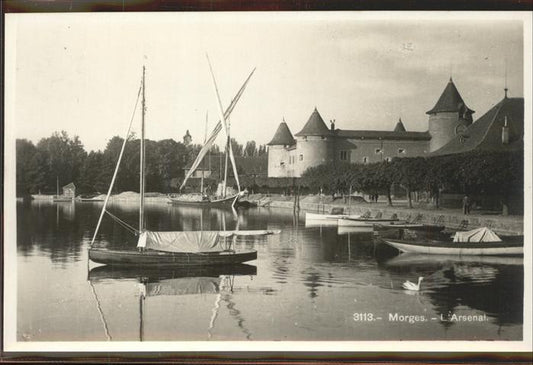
510, 245
331, 217
202, 201
364, 222
160, 258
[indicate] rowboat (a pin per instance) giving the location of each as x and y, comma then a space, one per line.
161, 248
364, 222
199, 200
159, 258
480, 241
330, 218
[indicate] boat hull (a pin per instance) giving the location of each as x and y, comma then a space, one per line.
323, 217
227, 202
350, 222
459, 248
341, 230
158, 258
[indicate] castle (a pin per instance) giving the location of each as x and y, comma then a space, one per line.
450, 130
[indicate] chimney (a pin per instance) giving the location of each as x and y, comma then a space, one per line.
332, 124
505, 132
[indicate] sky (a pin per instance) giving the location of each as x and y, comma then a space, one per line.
81, 72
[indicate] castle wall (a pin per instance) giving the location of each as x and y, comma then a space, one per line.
442, 128
279, 162
372, 150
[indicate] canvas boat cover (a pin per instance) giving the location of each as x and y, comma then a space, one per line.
183, 286
190, 242
483, 234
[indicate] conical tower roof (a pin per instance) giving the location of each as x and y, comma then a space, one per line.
450, 101
399, 126
283, 136
315, 126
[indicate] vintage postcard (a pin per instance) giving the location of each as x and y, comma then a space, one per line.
296, 181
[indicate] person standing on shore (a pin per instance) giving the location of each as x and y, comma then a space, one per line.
466, 205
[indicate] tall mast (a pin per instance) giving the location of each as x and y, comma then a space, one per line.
228, 146
203, 162
141, 162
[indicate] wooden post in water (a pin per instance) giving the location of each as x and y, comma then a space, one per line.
141, 162
350, 200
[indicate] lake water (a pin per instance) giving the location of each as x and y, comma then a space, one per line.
308, 283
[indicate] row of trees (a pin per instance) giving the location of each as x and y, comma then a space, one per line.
61, 157
499, 174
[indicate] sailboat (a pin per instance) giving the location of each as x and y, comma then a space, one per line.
156, 248
222, 198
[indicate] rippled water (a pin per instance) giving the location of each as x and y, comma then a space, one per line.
307, 284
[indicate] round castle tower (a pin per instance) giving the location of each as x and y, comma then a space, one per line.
448, 118
313, 145
278, 152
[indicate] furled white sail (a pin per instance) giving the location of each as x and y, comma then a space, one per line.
191, 242
482, 234
194, 241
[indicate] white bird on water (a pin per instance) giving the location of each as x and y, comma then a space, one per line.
412, 286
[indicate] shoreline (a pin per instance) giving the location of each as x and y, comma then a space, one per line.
451, 218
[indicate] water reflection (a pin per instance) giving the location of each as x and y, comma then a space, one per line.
167, 282
305, 284
493, 285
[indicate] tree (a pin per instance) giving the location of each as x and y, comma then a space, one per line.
250, 149
25, 154
95, 176
409, 173
65, 157
237, 147
262, 150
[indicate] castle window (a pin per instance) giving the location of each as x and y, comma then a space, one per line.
301, 157
365, 159
379, 150
344, 155
401, 150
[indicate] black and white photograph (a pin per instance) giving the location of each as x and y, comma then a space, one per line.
291, 181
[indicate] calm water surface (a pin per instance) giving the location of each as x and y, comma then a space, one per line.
308, 283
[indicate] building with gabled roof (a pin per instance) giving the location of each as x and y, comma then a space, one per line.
450, 130
499, 129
